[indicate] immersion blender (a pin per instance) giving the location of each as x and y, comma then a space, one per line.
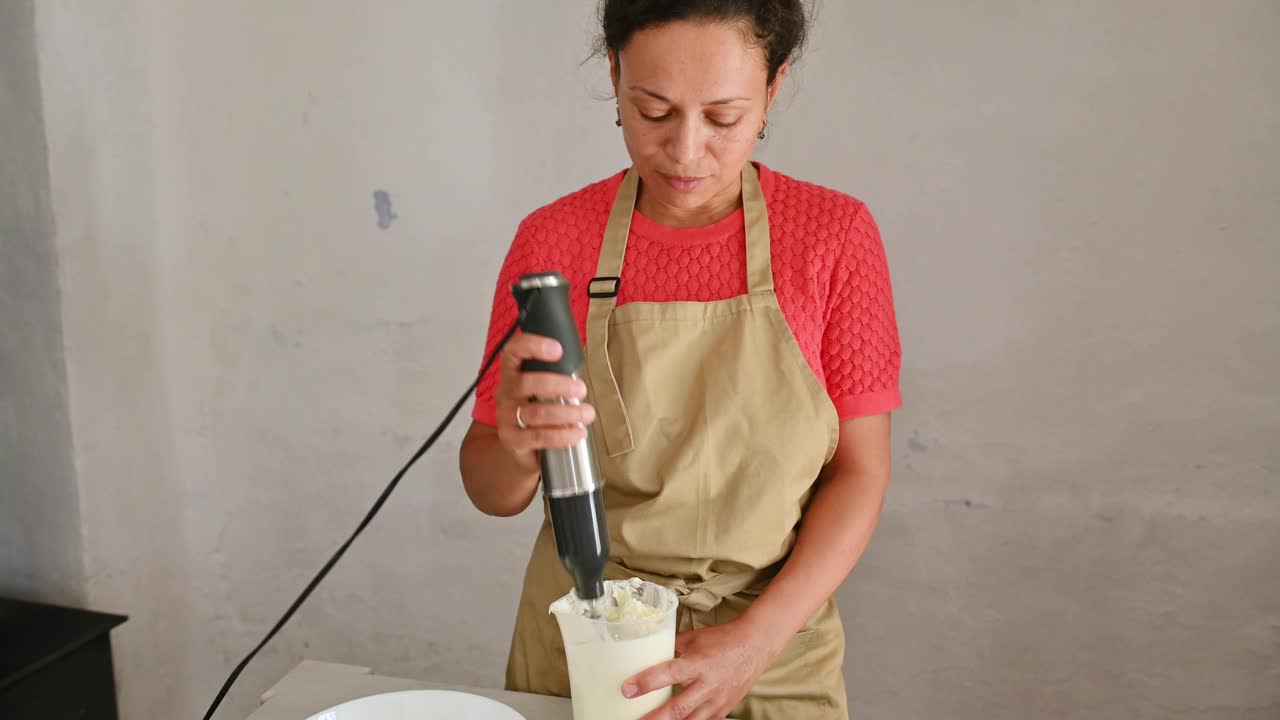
571, 478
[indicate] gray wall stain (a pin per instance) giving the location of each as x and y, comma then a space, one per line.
382, 206
963, 504
400, 439
915, 444
388, 324
306, 114
286, 340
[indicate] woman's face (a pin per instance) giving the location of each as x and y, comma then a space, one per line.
693, 97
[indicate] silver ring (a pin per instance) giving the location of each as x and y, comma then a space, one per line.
519, 420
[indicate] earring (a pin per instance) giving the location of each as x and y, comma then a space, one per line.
618, 122
760, 136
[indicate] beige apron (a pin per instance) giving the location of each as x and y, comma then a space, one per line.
711, 429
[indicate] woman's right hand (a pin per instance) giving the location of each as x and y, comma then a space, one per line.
545, 424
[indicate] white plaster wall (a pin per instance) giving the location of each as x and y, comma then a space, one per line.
1080, 206
40, 542
252, 355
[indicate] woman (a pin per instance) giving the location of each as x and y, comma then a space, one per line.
740, 380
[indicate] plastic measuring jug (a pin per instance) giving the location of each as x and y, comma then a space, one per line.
602, 654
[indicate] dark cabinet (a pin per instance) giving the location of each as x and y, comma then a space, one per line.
55, 662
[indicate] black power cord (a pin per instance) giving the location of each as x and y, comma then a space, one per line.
377, 505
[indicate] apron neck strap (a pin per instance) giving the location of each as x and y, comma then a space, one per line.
614, 246
755, 217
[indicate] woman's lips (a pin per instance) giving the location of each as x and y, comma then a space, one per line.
682, 184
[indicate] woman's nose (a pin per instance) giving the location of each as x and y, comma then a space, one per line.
685, 143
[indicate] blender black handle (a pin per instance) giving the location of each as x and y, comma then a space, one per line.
543, 299
570, 476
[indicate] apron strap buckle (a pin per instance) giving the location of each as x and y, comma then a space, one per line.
612, 292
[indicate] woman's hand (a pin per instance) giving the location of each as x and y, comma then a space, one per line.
500, 464
716, 666
545, 424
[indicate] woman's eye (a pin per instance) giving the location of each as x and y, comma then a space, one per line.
717, 121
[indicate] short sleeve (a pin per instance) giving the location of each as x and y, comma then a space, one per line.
861, 352
521, 258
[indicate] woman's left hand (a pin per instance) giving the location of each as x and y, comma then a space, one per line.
716, 667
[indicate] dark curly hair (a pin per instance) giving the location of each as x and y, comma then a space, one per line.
780, 27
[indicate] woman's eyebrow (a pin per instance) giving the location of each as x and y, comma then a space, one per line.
657, 96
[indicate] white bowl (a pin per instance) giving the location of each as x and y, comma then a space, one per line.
420, 705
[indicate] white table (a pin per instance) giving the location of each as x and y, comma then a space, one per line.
314, 686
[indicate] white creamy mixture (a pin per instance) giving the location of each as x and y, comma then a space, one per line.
619, 603
598, 666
